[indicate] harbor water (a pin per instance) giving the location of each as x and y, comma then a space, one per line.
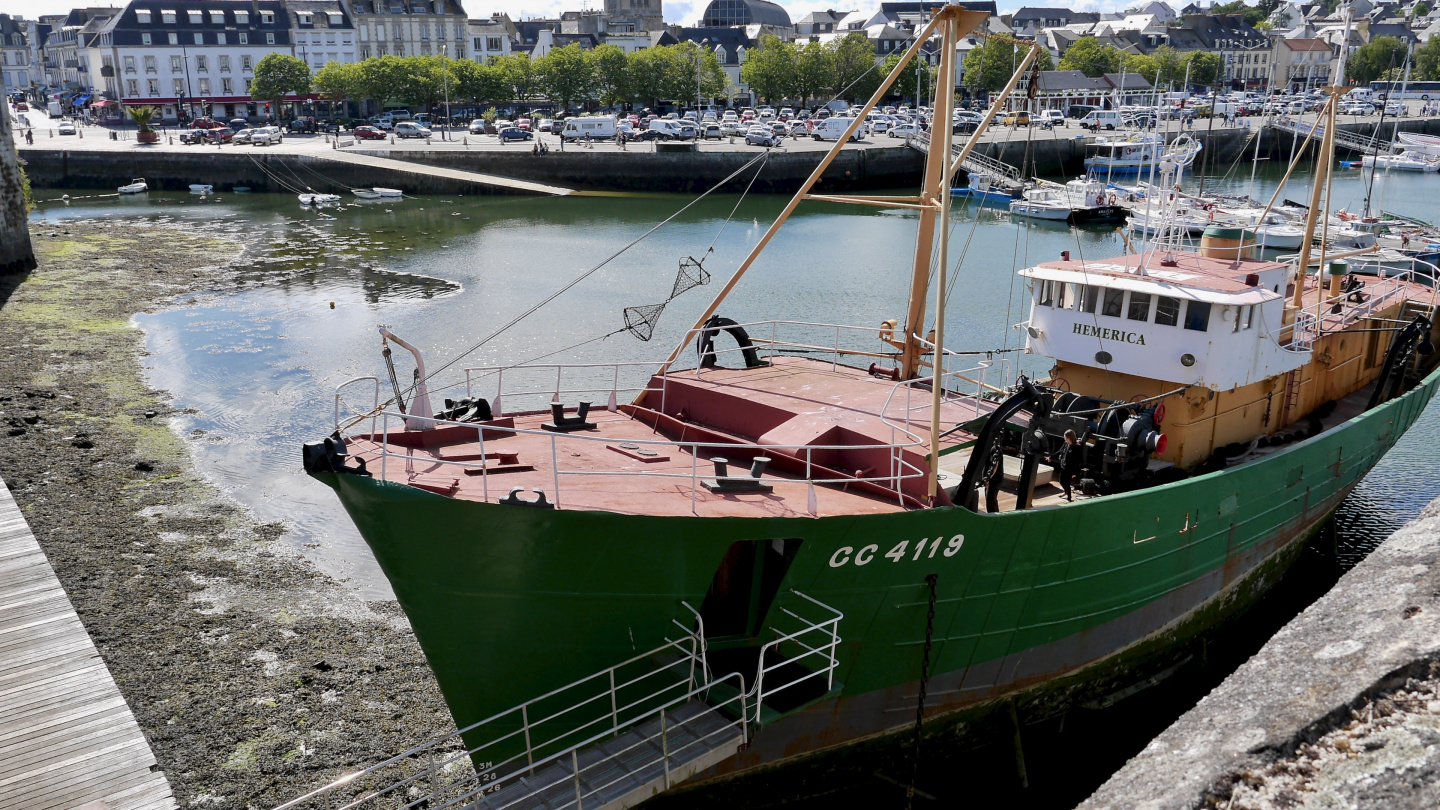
253, 368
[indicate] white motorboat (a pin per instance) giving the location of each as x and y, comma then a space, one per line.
1041, 203
1406, 161
1138, 154
1419, 142
318, 199
1278, 233
201, 188
366, 193
135, 186
388, 192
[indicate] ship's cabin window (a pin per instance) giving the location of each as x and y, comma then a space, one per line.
1139, 307
1197, 315
1114, 303
1047, 295
1089, 296
1167, 311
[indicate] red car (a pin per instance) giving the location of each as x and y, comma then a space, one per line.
523, 123
369, 134
207, 123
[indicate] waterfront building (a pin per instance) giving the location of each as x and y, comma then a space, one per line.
1302, 63
756, 16
730, 46
492, 38
192, 57
411, 27
15, 61
69, 48
322, 31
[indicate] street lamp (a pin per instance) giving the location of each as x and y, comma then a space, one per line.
699, 55
445, 66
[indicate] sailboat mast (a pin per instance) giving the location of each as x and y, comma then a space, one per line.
1326, 159
940, 146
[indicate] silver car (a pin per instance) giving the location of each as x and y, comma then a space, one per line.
761, 136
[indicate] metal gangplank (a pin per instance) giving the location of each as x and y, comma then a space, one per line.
974, 163
605, 742
1354, 141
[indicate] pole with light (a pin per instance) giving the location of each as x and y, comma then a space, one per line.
445, 66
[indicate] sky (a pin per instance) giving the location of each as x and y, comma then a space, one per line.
685, 12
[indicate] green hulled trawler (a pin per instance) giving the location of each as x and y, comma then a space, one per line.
768, 555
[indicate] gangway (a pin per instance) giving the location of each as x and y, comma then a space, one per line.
607, 741
974, 163
1354, 141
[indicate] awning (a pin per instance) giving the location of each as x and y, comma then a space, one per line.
80, 99
101, 103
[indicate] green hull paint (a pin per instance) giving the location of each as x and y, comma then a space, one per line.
511, 602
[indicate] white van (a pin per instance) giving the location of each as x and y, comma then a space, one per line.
832, 128
1360, 94
1101, 119
673, 130
598, 127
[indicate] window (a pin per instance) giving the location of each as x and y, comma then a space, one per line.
217, 17
145, 39
152, 85
269, 37
132, 88
150, 64
175, 66
199, 38
492, 43
1139, 307
167, 16
1114, 302
1249, 317
196, 18
1167, 311
1197, 316
202, 63
225, 87
1047, 295
174, 39
305, 18
247, 86
1089, 296
267, 18
244, 38
129, 64
204, 87
224, 63
245, 62
329, 39
242, 17
335, 19
220, 38
142, 16
179, 87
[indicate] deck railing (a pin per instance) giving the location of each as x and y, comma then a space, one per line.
569, 380
1314, 320
814, 639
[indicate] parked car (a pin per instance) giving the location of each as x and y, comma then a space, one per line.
477, 127
410, 129
1394, 108
546, 125
266, 136
797, 127
383, 124
1017, 118
711, 131
65, 128
301, 124
902, 130
366, 132
1055, 117
1101, 119
238, 124
515, 134
731, 129
225, 135
761, 136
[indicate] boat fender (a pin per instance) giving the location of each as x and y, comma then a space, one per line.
707, 342
514, 499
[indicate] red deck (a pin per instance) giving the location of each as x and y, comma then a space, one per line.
794, 411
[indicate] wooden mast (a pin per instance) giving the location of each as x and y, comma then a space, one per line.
939, 147
969, 20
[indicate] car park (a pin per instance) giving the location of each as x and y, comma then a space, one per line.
410, 129
369, 133
761, 135
514, 134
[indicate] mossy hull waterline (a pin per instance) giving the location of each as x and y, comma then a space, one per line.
1045, 605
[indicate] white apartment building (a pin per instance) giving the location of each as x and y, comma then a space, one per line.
16, 66
322, 32
410, 27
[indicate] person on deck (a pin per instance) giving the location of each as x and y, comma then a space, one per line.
1067, 462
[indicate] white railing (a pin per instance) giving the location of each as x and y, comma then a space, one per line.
817, 639
443, 772
606, 379
1394, 284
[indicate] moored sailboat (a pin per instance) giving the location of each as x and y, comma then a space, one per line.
842, 540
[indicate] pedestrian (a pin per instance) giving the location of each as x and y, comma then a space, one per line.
1067, 462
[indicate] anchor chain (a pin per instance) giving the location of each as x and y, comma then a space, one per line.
930, 580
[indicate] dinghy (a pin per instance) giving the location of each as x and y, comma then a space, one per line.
135, 186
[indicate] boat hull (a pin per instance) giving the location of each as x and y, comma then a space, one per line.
1046, 605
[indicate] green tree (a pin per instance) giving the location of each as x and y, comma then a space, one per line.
519, 73
1139, 64
814, 71
382, 78
905, 83
1204, 68
1088, 56
856, 74
1427, 59
279, 75
770, 69
339, 82
1170, 65
566, 74
692, 70
990, 65
477, 82
647, 72
1421, 10
612, 75
1374, 58
1252, 14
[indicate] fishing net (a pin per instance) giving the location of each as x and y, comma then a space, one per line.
641, 321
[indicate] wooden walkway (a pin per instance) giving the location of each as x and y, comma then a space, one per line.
67, 737
414, 167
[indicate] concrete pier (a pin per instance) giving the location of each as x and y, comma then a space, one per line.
67, 737
1341, 708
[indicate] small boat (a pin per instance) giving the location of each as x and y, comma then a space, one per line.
388, 192
318, 199
201, 188
1419, 142
1406, 161
1278, 233
1041, 203
242, 189
135, 186
365, 193
1139, 154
